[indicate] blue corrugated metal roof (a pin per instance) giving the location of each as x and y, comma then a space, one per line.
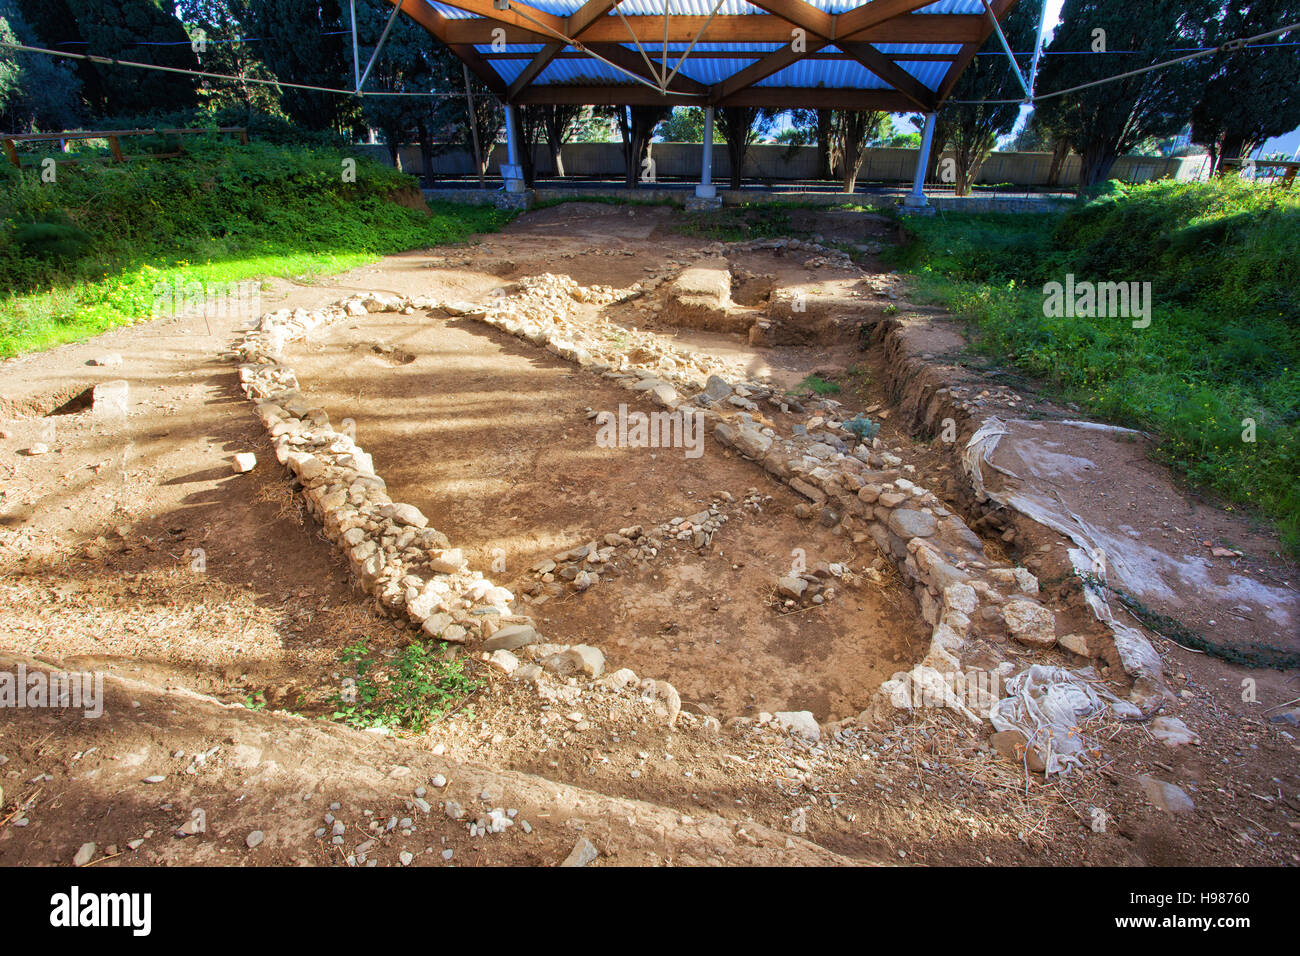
914, 49
511, 48
831, 74
809, 73
451, 13
587, 71
929, 72
953, 7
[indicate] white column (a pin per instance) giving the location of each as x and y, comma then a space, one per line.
512, 172
706, 189
917, 196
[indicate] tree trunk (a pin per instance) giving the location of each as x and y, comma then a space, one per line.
426, 151
1231, 147
852, 160
1060, 153
636, 124
556, 121
823, 144
736, 156
1095, 164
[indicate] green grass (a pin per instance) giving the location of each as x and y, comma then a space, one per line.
409, 693
86, 253
815, 383
738, 223
1223, 347
764, 220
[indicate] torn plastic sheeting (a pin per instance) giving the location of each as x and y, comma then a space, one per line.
1051, 706
1140, 660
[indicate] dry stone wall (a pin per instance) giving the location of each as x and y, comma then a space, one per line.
972, 603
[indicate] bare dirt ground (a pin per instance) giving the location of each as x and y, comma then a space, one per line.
205, 596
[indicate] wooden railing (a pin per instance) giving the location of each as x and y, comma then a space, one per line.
114, 137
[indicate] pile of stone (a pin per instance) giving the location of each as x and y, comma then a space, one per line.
795, 591
577, 569
409, 568
926, 398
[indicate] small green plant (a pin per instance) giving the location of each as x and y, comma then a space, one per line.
409, 693
815, 383
255, 701
890, 309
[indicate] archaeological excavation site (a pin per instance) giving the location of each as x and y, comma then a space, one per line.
600, 541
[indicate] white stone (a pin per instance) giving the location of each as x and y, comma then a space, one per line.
798, 722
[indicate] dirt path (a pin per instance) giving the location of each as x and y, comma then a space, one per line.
130, 547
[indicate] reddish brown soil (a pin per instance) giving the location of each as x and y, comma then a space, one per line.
97, 544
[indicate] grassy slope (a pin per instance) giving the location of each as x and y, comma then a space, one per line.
220, 214
1223, 345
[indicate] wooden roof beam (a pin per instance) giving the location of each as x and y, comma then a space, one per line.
756, 28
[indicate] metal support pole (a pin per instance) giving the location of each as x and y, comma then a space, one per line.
383, 37
1006, 48
1038, 48
512, 172
356, 59
917, 196
706, 189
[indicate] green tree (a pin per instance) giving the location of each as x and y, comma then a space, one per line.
686, 125
219, 37
410, 62
302, 41
797, 136
37, 92
740, 127
1103, 122
1252, 93
815, 129
852, 131
973, 128
561, 122
636, 126
903, 141
144, 31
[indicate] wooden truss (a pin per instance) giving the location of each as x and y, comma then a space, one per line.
600, 31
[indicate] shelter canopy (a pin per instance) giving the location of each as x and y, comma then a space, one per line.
895, 55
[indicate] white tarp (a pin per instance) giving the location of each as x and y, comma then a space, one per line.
1053, 707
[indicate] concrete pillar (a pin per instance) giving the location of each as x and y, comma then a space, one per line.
917, 196
512, 171
706, 189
